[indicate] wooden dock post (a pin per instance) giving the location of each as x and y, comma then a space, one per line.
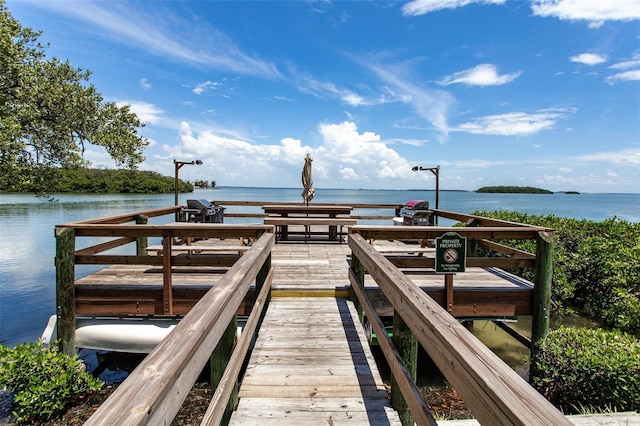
218, 362
141, 242
167, 285
543, 277
65, 289
472, 243
358, 271
261, 278
407, 346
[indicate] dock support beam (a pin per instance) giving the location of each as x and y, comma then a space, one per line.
167, 284
543, 277
358, 271
141, 242
407, 346
219, 360
65, 289
261, 279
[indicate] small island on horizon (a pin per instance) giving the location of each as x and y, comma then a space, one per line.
512, 190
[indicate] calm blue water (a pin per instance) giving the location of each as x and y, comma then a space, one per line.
27, 243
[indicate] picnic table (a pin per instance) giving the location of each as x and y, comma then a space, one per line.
283, 215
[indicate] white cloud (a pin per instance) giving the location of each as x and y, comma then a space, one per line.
481, 75
625, 65
345, 156
633, 75
309, 85
322, 89
343, 153
430, 105
157, 31
422, 7
619, 158
596, 12
475, 164
148, 113
205, 87
514, 123
145, 84
366, 154
630, 70
99, 158
348, 173
410, 142
588, 58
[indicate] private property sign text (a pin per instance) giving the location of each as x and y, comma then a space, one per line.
451, 253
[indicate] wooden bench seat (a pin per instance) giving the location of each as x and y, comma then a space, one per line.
308, 221
282, 222
158, 249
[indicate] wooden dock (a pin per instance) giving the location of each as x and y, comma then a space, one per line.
307, 355
311, 361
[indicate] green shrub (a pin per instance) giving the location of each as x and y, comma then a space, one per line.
578, 368
44, 381
596, 266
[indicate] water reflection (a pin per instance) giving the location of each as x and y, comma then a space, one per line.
508, 349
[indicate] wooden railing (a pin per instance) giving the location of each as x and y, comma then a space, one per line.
67, 257
493, 391
155, 390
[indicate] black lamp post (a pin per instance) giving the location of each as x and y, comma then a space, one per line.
178, 165
436, 173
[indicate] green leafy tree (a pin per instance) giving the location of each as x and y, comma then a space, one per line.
49, 112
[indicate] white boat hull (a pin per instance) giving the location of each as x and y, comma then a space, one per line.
132, 335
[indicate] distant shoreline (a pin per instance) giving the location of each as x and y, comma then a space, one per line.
512, 190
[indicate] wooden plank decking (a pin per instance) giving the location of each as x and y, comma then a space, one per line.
312, 365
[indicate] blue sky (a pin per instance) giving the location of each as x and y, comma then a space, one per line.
539, 93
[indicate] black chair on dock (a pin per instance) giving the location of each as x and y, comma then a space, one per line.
203, 211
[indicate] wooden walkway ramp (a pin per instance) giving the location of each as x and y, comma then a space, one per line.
311, 365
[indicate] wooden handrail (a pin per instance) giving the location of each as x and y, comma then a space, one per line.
510, 251
430, 232
99, 248
155, 390
215, 410
272, 203
478, 220
480, 262
180, 229
410, 391
131, 217
494, 392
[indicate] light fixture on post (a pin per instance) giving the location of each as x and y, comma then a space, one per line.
178, 165
436, 173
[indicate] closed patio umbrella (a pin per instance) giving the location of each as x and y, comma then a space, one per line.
307, 180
